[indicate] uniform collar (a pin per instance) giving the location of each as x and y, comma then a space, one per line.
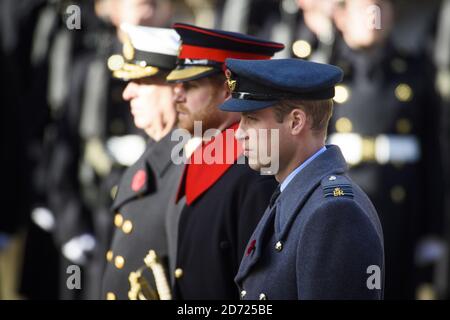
329, 162
200, 177
160, 157
139, 179
291, 176
282, 215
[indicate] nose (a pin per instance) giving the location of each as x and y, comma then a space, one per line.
240, 133
179, 93
130, 91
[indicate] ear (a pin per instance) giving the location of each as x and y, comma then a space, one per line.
297, 121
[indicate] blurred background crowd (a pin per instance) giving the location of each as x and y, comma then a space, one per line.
67, 134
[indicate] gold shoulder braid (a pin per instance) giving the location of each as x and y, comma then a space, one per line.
140, 289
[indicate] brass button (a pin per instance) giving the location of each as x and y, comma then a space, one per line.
178, 273
344, 125
398, 194
109, 255
119, 262
127, 226
243, 293
262, 296
403, 92
118, 220
279, 246
115, 62
341, 93
301, 48
110, 296
403, 126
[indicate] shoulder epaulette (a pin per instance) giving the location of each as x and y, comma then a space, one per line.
337, 186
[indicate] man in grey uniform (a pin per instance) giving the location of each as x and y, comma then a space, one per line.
320, 237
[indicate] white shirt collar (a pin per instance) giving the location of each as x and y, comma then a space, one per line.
291, 176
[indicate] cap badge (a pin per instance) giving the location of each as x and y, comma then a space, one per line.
231, 83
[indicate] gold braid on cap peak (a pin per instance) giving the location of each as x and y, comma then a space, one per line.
123, 66
129, 71
127, 48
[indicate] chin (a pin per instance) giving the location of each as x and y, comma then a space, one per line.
254, 165
141, 124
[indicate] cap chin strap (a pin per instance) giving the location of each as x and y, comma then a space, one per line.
283, 96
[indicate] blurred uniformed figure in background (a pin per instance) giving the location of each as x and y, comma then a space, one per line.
12, 221
386, 121
305, 26
441, 54
267, 19
68, 46
83, 169
313, 32
29, 29
149, 184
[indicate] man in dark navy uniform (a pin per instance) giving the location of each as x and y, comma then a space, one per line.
148, 185
224, 198
320, 237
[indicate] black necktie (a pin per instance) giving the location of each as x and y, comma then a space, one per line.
274, 197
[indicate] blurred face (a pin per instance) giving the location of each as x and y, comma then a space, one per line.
317, 16
260, 135
324, 6
364, 23
198, 100
138, 12
151, 104
108, 10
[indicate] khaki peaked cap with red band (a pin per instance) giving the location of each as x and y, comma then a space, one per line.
203, 51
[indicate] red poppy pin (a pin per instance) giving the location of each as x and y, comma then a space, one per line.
251, 247
139, 179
